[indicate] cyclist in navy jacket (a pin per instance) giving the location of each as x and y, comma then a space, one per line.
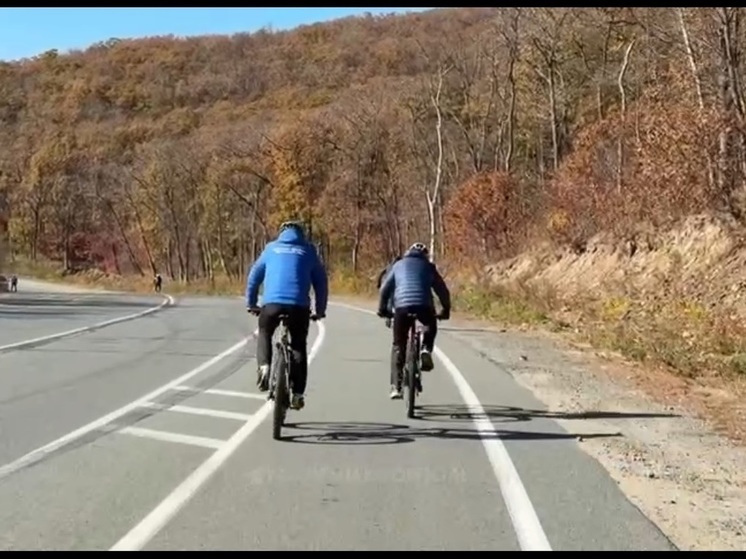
411, 282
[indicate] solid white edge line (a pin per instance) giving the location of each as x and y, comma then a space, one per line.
167, 436
43, 451
220, 392
528, 529
167, 301
198, 411
139, 536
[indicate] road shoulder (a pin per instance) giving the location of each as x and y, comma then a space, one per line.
682, 476
28, 284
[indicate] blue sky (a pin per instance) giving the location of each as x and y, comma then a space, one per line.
26, 32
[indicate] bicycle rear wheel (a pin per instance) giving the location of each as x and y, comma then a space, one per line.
410, 380
282, 401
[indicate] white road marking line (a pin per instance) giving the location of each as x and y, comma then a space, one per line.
41, 452
205, 442
168, 300
140, 535
528, 529
220, 392
199, 411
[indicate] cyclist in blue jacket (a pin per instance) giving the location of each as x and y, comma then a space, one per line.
288, 267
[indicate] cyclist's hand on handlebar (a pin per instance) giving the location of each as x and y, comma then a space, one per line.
253, 310
384, 313
443, 315
315, 317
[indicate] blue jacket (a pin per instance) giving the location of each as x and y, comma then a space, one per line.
412, 281
288, 267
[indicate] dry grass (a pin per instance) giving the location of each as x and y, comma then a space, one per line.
691, 355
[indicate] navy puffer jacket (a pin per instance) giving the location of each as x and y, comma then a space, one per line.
412, 281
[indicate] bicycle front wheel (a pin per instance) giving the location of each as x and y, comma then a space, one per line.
411, 380
282, 401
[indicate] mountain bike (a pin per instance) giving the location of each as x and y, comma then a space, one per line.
279, 379
412, 381
412, 374
280, 387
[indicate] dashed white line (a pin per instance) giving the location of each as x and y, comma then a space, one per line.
168, 300
167, 436
42, 452
220, 392
528, 529
149, 526
198, 411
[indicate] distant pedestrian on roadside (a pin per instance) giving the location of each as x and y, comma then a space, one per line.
158, 283
14, 283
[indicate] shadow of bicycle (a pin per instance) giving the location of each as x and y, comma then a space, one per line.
348, 432
499, 414
363, 433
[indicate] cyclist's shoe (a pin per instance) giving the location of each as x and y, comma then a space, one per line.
395, 393
297, 402
262, 378
426, 361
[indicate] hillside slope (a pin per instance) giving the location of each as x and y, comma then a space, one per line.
180, 154
170, 153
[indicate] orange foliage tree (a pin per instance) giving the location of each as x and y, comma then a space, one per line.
486, 216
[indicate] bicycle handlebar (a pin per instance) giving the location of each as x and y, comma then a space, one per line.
438, 316
256, 310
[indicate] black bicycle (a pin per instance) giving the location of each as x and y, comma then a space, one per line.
412, 374
280, 387
279, 379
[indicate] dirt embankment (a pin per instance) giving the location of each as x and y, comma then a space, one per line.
703, 260
675, 301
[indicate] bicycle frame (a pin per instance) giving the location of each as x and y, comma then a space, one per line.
282, 344
412, 376
280, 378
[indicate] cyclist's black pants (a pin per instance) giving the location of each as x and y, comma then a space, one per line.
400, 329
298, 322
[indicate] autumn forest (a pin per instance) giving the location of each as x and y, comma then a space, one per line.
478, 131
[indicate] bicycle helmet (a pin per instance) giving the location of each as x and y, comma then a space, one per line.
419, 247
292, 224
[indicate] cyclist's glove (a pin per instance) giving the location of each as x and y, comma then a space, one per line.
383, 313
445, 314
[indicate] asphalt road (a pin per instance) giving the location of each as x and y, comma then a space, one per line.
36, 312
148, 434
